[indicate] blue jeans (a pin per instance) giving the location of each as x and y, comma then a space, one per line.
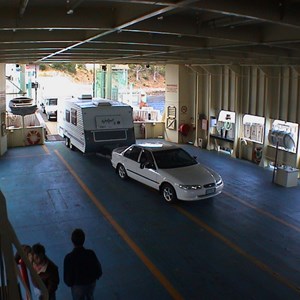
83, 292
39, 296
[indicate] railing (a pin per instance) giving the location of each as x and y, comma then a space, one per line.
31, 133
146, 114
10, 275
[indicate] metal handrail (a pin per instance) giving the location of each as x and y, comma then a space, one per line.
9, 271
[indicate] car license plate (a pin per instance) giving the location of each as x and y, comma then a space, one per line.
210, 191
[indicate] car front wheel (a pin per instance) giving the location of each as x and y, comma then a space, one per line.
122, 172
169, 193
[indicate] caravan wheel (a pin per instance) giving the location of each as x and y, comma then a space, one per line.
67, 142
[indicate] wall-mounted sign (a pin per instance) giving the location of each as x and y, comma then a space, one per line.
171, 112
171, 123
183, 109
171, 117
204, 124
172, 88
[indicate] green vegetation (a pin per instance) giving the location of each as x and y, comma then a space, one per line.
69, 68
64, 67
43, 67
147, 72
139, 75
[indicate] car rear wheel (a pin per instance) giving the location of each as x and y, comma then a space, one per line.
122, 172
169, 193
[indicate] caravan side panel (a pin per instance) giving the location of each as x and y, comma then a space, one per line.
72, 125
97, 125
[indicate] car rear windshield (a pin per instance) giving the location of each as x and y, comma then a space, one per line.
174, 158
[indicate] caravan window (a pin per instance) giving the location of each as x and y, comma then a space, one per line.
68, 115
74, 116
52, 101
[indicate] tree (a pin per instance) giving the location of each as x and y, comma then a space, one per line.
155, 73
137, 69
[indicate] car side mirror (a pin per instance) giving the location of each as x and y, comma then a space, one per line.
149, 165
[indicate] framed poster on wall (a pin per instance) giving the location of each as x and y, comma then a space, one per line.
171, 118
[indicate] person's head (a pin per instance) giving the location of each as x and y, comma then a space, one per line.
38, 253
27, 251
78, 237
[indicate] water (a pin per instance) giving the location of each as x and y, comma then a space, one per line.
157, 102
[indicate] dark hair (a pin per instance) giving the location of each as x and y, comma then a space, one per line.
39, 250
27, 250
78, 237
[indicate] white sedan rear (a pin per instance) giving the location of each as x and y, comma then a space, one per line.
168, 169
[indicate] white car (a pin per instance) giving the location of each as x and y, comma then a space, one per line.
168, 169
49, 107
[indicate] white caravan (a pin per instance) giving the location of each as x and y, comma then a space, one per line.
95, 125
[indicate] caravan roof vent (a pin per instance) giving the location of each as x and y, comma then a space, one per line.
101, 103
85, 97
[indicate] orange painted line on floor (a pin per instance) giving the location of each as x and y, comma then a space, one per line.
263, 212
239, 250
153, 269
46, 149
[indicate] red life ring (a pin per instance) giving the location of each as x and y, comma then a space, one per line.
184, 129
33, 137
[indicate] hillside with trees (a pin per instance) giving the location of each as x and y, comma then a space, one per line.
147, 76
140, 76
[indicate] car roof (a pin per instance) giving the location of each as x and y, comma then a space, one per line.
156, 146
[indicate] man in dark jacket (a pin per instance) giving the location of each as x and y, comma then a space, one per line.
81, 268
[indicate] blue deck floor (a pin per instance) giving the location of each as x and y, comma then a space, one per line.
243, 244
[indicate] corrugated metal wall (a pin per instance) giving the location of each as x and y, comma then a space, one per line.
253, 91
271, 92
223, 88
284, 94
